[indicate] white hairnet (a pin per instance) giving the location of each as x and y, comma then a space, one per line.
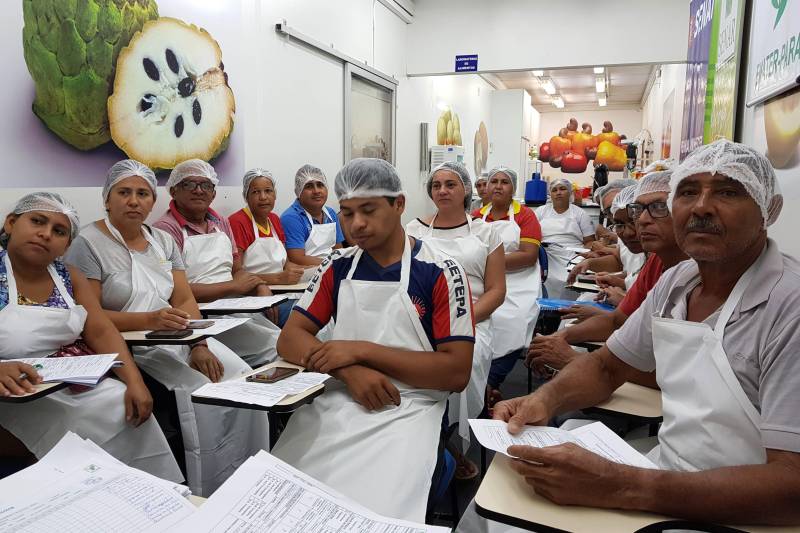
305, 174
45, 201
654, 182
508, 172
626, 196
459, 170
367, 177
128, 168
565, 182
597, 193
737, 162
616, 185
192, 168
251, 175
482, 177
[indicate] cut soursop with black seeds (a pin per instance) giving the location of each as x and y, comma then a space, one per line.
70, 48
171, 100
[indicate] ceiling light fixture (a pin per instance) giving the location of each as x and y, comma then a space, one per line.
558, 101
548, 86
538, 73
601, 101
599, 70
600, 84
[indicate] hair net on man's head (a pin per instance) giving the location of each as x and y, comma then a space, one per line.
251, 175
49, 202
192, 168
626, 196
367, 177
459, 170
483, 177
512, 175
306, 174
616, 185
654, 182
128, 168
738, 162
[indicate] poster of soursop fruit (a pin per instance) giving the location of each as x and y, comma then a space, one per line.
94, 81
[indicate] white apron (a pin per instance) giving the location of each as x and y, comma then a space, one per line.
558, 233
209, 259
709, 422
266, 255
216, 439
97, 414
631, 263
471, 254
513, 322
322, 239
384, 459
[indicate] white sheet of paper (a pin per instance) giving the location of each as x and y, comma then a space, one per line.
577, 249
267, 495
265, 394
221, 325
84, 369
595, 437
90, 492
244, 303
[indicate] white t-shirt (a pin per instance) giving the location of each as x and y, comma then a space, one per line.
568, 228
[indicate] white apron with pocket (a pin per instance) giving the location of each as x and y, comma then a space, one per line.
97, 414
265, 255
216, 439
384, 459
209, 259
709, 422
471, 253
513, 322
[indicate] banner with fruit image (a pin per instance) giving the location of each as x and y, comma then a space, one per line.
94, 81
571, 150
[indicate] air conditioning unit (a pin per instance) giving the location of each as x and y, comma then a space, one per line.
440, 154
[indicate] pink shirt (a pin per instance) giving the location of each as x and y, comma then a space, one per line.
173, 223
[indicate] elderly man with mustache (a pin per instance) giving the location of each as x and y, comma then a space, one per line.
720, 331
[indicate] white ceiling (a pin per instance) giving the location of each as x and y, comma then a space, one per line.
625, 87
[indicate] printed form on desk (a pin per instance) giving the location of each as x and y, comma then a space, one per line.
267, 495
77, 488
595, 437
244, 303
265, 394
80, 369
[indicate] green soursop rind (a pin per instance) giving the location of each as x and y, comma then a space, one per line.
70, 48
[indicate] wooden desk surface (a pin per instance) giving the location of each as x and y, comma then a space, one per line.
288, 404
297, 287
632, 399
42, 390
137, 338
505, 497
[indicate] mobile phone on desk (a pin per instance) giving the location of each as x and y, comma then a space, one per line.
271, 375
169, 334
200, 324
586, 278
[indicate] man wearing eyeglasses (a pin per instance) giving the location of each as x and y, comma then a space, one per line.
656, 236
213, 264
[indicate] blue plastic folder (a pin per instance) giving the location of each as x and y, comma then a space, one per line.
554, 304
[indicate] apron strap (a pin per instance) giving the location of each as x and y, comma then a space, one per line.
13, 294
147, 236
330, 214
429, 231
405, 264
735, 296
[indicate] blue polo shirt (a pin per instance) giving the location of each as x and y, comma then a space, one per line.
297, 227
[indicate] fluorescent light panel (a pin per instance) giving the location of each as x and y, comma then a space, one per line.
600, 84
558, 101
599, 70
538, 73
548, 86
601, 101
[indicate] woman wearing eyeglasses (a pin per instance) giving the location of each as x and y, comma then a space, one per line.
564, 226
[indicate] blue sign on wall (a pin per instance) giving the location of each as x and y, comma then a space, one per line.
467, 63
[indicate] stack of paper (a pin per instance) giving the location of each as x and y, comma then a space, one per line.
78, 488
265, 394
244, 304
267, 495
595, 437
81, 370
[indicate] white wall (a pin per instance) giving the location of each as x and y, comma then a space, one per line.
625, 121
672, 81
526, 34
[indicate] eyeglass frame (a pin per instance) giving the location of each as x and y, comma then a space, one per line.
632, 209
205, 186
622, 226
